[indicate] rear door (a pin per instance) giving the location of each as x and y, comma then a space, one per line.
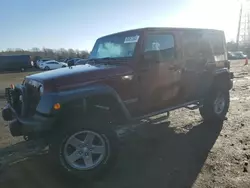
199, 61
158, 76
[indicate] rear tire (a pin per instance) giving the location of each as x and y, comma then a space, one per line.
79, 157
215, 105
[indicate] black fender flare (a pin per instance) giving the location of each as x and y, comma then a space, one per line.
223, 78
76, 98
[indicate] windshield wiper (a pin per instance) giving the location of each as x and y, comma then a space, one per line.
107, 60
115, 58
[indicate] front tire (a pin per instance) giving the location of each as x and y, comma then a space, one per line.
86, 150
215, 105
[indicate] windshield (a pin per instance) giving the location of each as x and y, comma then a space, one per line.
115, 46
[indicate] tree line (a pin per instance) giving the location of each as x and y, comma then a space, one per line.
56, 54
61, 54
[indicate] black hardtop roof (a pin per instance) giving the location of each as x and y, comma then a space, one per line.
166, 28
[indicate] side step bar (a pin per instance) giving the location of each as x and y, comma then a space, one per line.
142, 120
167, 110
194, 106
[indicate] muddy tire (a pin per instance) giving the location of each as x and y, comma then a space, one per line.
215, 105
85, 150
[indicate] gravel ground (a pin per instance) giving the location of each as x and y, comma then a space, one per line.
181, 153
11, 78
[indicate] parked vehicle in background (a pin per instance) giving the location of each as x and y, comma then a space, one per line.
41, 61
239, 55
231, 56
81, 62
73, 61
50, 65
66, 60
15, 62
130, 77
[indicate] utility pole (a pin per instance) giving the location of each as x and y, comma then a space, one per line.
239, 26
243, 35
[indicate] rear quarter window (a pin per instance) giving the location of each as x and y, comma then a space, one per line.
217, 44
196, 49
206, 45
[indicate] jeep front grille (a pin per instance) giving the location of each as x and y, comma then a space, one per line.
9, 96
13, 97
32, 96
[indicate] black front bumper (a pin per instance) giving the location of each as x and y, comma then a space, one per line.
23, 126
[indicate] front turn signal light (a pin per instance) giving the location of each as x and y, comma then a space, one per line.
57, 106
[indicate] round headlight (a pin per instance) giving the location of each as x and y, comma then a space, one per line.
41, 90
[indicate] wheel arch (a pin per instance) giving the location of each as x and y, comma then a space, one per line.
222, 78
94, 100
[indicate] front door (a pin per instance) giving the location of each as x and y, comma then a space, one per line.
158, 76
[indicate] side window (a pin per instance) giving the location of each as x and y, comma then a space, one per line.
52, 63
197, 50
217, 45
191, 45
163, 44
196, 47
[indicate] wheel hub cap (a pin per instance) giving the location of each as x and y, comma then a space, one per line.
219, 103
84, 150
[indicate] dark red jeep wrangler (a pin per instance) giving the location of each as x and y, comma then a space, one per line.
129, 77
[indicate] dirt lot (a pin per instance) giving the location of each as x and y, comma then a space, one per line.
10, 78
182, 153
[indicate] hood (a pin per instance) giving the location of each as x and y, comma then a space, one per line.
80, 74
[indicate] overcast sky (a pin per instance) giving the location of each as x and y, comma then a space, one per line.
78, 23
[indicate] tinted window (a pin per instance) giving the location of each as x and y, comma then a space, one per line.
163, 44
191, 45
196, 47
217, 44
197, 50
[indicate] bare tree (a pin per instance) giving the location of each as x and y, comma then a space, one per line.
37, 53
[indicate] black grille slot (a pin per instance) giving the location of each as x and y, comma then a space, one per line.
13, 98
9, 96
32, 97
